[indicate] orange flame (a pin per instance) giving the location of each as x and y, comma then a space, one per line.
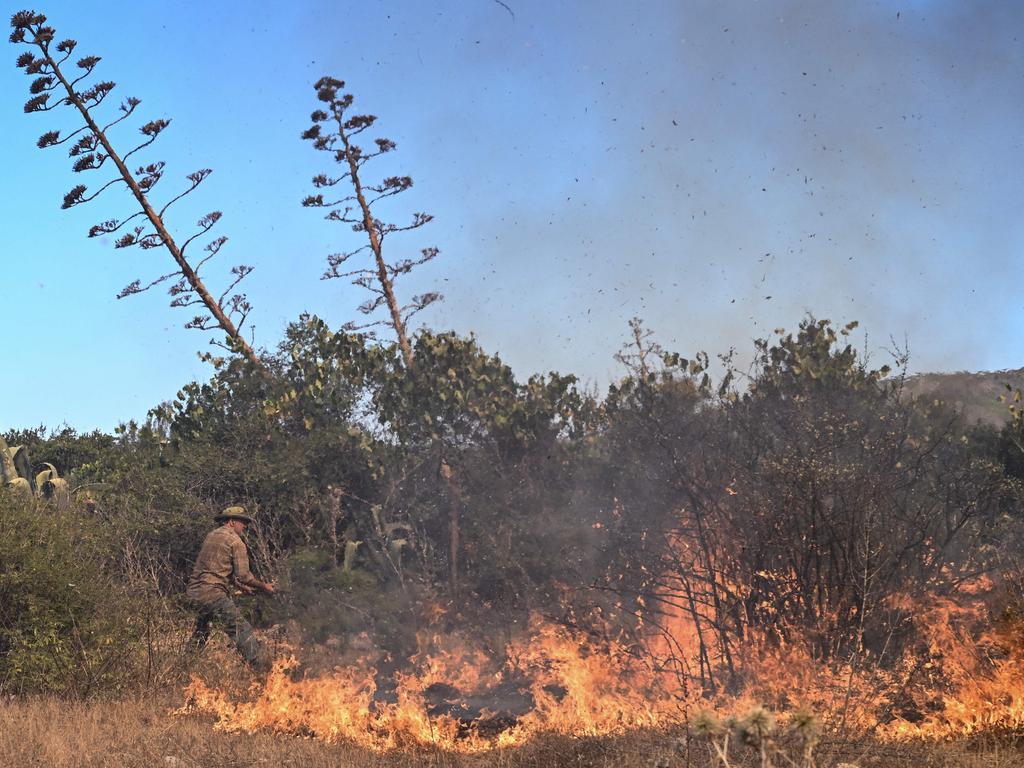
575, 688
962, 680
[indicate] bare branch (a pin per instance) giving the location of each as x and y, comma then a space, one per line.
406, 265
212, 248
110, 226
503, 5
39, 103
240, 273
196, 178
370, 305
76, 195
201, 323
87, 143
88, 64
89, 162
419, 303
135, 286
205, 224
43, 84
96, 94
149, 175
127, 108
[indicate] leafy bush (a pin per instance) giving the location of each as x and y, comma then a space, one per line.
66, 625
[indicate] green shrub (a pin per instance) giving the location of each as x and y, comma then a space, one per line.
66, 625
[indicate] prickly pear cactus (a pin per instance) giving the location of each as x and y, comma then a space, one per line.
7, 470
351, 547
50, 485
16, 473
10, 459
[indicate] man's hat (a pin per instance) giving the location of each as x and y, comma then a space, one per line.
234, 513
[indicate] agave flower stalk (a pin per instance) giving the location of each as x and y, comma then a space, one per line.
93, 150
356, 209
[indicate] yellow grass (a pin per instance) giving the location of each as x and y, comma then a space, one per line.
141, 733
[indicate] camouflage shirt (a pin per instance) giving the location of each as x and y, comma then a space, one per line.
222, 560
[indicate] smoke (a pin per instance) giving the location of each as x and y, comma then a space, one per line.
723, 168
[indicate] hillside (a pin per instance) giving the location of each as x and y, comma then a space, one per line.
977, 393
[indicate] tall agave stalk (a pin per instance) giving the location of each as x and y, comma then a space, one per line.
92, 150
334, 131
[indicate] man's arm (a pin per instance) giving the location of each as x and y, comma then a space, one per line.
242, 575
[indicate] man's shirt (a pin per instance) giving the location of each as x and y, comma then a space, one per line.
223, 559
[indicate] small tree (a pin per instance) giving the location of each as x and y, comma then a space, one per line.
356, 209
93, 150
636, 354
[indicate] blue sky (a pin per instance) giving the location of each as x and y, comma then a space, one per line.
717, 168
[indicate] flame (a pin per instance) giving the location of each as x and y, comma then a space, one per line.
975, 677
961, 678
576, 688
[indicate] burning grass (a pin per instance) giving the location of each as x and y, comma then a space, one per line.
550, 683
596, 707
959, 681
555, 696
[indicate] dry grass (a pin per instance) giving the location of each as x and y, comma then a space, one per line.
140, 733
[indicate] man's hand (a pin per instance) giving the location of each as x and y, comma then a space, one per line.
268, 588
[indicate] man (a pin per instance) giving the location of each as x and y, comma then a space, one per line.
223, 560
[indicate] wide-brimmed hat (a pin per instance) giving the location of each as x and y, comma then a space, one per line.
234, 513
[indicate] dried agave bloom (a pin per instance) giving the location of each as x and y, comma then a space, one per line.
57, 82
333, 131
